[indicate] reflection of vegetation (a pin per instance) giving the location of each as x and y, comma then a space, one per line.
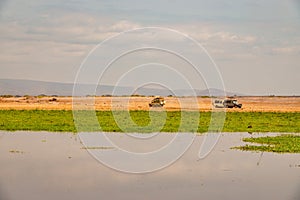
98, 148
15, 151
62, 121
279, 144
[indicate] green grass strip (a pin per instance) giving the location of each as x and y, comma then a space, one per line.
278, 144
62, 121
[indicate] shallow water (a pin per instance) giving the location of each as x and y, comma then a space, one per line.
41, 165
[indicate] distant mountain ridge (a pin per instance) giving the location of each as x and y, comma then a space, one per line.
34, 88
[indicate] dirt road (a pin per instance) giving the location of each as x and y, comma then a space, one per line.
257, 104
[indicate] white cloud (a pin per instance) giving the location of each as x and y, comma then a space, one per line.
58, 40
209, 32
231, 37
223, 42
122, 26
222, 36
70, 28
286, 50
41, 53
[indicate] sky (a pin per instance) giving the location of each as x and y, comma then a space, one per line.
254, 45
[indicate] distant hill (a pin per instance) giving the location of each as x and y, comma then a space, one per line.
34, 88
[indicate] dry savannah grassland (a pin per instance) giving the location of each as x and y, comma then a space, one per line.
255, 103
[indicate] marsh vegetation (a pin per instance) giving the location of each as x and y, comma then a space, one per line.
173, 121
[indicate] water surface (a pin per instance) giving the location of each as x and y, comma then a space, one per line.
41, 165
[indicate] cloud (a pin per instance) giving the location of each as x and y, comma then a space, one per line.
205, 32
40, 53
222, 41
292, 50
230, 37
123, 26
59, 43
68, 28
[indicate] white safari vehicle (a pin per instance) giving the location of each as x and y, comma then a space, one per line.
226, 103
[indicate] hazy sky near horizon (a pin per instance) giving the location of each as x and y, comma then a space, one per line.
254, 43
